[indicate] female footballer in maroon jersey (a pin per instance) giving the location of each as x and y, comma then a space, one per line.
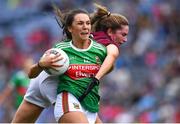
111, 30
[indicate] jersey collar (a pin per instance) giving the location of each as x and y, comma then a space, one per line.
80, 50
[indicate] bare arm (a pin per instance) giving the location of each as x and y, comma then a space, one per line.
34, 71
47, 61
6, 93
107, 66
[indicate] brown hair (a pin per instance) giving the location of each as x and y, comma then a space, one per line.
66, 19
102, 19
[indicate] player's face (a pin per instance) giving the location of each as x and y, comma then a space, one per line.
81, 27
120, 35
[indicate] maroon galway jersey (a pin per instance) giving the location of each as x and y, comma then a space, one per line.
102, 38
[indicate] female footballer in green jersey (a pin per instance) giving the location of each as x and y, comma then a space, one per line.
78, 27
116, 35
17, 85
85, 57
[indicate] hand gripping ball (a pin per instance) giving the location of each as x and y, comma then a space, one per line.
65, 62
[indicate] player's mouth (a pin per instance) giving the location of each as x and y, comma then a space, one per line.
85, 33
122, 42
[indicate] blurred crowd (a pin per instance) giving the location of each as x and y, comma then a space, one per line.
145, 83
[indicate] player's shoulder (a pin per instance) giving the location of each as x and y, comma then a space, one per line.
63, 44
98, 45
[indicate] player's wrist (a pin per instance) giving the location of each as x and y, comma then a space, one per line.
98, 77
95, 80
39, 66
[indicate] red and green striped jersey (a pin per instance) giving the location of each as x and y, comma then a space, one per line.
84, 63
19, 82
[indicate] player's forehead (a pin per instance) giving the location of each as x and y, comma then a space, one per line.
81, 17
124, 28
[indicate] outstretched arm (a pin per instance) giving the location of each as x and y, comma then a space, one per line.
107, 66
5, 93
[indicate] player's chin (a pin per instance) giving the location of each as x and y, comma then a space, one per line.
119, 43
85, 37
122, 42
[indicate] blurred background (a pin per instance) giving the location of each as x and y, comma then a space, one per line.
145, 83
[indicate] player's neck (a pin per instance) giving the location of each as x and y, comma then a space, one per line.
82, 44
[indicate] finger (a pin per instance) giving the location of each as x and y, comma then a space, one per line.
53, 56
58, 54
56, 65
48, 51
57, 59
54, 69
46, 54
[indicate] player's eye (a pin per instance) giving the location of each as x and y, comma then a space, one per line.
124, 34
80, 23
88, 23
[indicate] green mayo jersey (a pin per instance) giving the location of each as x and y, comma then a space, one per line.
19, 82
84, 63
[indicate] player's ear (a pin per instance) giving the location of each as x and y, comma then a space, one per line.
110, 32
69, 29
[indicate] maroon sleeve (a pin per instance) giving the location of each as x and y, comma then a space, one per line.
103, 39
106, 42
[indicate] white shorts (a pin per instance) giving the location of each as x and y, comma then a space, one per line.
66, 102
42, 90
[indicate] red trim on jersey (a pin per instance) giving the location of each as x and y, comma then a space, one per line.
21, 90
65, 106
